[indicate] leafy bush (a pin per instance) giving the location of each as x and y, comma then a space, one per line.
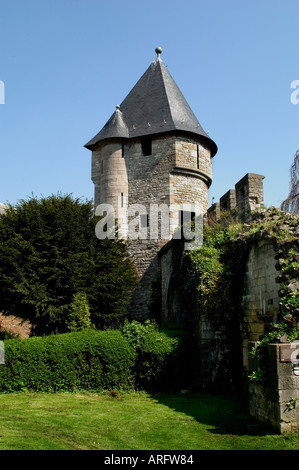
156, 353
89, 359
154, 361
201, 278
136, 331
277, 331
137, 356
79, 316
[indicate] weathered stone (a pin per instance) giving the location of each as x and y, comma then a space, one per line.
293, 286
280, 263
178, 171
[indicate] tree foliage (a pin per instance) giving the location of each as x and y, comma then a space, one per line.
79, 316
49, 253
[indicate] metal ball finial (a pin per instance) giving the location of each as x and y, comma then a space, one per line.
158, 51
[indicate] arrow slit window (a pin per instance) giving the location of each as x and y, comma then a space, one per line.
146, 146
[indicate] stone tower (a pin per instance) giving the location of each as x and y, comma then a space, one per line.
151, 162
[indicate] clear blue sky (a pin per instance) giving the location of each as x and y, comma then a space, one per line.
66, 64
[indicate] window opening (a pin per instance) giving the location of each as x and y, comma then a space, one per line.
146, 146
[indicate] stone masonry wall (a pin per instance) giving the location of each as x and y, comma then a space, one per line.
247, 197
284, 360
274, 402
260, 302
148, 184
166, 272
249, 194
190, 178
193, 154
148, 193
270, 284
262, 263
156, 179
109, 174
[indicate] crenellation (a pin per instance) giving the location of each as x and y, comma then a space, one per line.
247, 197
228, 200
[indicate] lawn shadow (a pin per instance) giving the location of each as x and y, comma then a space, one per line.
226, 414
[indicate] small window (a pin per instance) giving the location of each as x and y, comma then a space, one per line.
122, 150
197, 156
146, 146
122, 200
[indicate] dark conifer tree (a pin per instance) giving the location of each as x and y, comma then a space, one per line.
49, 252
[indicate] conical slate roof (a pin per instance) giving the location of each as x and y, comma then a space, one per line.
155, 105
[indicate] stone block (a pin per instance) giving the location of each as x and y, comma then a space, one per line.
289, 382
286, 395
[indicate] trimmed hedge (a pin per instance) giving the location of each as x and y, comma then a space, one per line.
85, 360
90, 360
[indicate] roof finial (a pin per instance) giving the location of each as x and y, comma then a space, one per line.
158, 51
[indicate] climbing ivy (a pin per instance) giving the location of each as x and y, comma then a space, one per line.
203, 276
210, 279
275, 333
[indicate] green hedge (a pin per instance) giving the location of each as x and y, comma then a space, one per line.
156, 355
155, 361
90, 360
85, 360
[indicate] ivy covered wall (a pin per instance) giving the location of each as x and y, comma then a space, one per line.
240, 286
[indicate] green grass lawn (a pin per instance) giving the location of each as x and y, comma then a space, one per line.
131, 421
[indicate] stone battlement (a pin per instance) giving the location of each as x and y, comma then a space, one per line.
247, 197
